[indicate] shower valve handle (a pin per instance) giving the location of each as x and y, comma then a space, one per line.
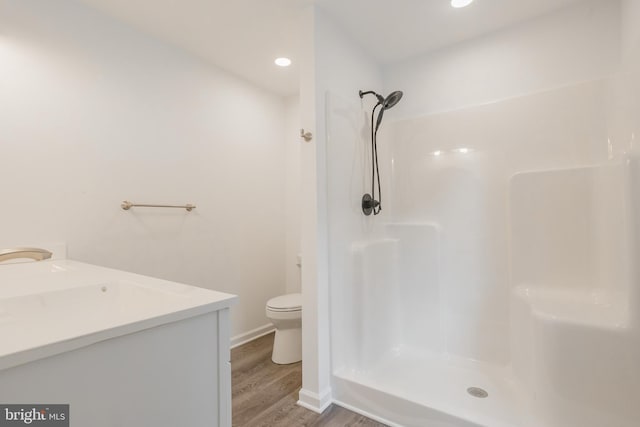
369, 204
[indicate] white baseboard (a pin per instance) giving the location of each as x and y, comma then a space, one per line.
313, 401
251, 335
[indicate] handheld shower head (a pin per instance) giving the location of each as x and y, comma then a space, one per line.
389, 102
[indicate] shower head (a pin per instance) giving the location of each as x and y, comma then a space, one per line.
386, 103
391, 100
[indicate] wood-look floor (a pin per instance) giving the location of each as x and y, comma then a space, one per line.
265, 394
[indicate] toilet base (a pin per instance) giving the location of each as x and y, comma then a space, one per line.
287, 346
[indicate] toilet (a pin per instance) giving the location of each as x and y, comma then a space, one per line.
285, 312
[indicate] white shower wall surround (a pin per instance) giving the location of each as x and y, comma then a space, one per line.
501, 261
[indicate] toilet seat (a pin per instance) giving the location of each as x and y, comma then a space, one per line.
285, 303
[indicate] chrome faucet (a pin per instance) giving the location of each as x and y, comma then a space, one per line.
36, 254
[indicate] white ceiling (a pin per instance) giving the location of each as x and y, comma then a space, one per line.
393, 30
241, 36
245, 36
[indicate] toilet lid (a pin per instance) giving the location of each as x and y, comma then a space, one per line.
289, 302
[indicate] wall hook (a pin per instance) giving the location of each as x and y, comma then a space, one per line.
307, 136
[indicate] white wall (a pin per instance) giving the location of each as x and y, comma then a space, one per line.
577, 44
336, 64
292, 193
630, 14
93, 112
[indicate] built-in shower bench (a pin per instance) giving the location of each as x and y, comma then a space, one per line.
592, 308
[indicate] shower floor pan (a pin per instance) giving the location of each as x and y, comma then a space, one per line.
411, 389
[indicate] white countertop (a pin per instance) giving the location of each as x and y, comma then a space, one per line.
51, 307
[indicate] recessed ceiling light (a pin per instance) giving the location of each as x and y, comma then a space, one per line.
283, 62
460, 3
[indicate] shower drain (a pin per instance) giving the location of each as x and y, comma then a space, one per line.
477, 392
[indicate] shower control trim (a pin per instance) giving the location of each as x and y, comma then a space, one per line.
369, 205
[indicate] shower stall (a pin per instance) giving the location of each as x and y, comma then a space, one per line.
498, 286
